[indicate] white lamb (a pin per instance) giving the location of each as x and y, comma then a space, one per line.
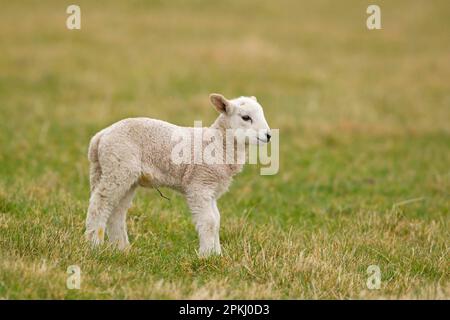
137, 152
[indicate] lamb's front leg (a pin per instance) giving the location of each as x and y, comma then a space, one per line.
217, 215
207, 224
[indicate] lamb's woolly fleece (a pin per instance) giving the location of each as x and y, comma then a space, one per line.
137, 152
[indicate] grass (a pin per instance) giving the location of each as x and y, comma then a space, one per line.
364, 146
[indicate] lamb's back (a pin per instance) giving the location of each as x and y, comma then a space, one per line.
155, 141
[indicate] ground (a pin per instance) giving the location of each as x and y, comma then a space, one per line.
364, 146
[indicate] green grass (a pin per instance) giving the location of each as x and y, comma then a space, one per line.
364, 127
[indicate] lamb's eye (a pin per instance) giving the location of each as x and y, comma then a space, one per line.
246, 118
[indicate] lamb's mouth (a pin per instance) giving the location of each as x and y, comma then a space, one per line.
263, 141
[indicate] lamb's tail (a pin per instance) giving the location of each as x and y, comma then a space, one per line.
95, 169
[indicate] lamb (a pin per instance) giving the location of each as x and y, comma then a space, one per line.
139, 152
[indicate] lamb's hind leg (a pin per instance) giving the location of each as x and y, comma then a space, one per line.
116, 227
106, 197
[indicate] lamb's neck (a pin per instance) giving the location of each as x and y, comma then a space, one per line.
221, 124
230, 148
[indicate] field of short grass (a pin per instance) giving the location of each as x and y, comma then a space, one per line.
364, 146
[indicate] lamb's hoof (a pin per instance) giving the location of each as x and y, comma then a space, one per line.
95, 236
204, 253
123, 246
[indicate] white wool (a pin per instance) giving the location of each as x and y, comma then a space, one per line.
137, 152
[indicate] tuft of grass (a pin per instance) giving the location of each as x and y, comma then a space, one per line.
364, 147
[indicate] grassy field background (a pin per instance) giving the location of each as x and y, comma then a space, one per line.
364, 146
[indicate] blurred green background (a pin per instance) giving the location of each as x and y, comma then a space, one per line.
364, 146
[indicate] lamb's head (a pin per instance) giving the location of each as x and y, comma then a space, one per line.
244, 116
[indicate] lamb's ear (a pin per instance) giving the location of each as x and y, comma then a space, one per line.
220, 103
254, 98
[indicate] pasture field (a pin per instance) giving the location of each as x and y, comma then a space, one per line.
364, 173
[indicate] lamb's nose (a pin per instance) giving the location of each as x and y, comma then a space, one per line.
268, 135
